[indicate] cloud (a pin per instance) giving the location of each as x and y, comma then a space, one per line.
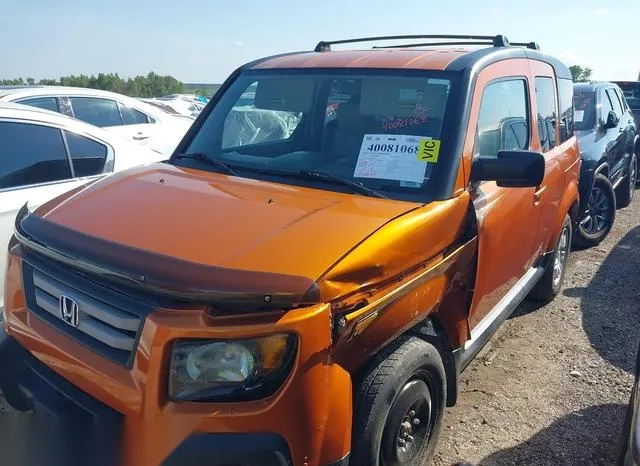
599, 12
239, 43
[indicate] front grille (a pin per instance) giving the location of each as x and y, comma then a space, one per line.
108, 322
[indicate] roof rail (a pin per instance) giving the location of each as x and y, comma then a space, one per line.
529, 45
496, 41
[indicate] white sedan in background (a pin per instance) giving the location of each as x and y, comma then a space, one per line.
131, 118
44, 154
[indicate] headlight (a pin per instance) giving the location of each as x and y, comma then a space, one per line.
230, 370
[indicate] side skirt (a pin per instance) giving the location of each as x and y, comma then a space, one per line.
481, 334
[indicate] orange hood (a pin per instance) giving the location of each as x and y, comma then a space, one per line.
222, 221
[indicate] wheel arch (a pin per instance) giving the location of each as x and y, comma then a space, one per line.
601, 168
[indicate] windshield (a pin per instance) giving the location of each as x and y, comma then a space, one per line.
376, 128
631, 91
584, 110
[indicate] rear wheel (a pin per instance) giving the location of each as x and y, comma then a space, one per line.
601, 212
624, 194
551, 282
399, 405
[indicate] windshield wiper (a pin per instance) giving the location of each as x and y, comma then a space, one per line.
357, 187
202, 157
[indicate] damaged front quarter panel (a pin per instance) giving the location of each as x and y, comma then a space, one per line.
398, 276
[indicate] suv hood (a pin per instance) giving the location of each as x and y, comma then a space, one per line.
234, 234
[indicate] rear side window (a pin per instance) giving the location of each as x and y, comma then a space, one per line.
47, 103
131, 116
547, 111
88, 156
565, 96
98, 112
31, 154
503, 123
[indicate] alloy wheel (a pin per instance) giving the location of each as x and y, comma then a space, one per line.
598, 212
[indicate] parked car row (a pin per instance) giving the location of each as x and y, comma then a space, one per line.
130, 118
328, 239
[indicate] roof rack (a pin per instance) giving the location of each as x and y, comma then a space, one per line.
496, 41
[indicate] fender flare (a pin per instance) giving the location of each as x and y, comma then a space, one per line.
600, 168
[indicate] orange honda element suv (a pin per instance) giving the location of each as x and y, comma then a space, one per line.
303, 281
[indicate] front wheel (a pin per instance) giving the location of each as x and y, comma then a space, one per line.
398, 406
551, 282
601, 212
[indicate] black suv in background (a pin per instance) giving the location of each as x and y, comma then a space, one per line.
608, 143
631, 91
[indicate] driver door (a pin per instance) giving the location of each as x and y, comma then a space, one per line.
508, 218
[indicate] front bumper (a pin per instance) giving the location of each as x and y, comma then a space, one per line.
75, 429
310, 414
91, 432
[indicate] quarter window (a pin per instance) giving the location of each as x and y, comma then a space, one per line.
131, 116
31, 154
47, 103
98, 112
503, 123
565, 96
88, 156
547, 111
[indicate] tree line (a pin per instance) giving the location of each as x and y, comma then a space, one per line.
151, 85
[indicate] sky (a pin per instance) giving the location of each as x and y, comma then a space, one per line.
203, 41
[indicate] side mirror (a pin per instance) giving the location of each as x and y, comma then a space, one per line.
511, 169
611, 122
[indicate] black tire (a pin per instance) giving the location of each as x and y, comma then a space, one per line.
551, 282
404, 382
624, 193
602, 202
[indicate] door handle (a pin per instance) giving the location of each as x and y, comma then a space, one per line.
537, 195
140, 136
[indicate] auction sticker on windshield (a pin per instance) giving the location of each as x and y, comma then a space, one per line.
393, 157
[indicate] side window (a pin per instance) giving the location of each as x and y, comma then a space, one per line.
47, 103
98, 112
503, 123
565, 96
605, 105
615, 101
88, 156
31, 154
131, 116
547, 111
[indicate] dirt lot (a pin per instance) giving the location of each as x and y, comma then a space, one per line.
553, 385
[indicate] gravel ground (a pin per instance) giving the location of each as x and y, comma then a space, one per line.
553, 384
